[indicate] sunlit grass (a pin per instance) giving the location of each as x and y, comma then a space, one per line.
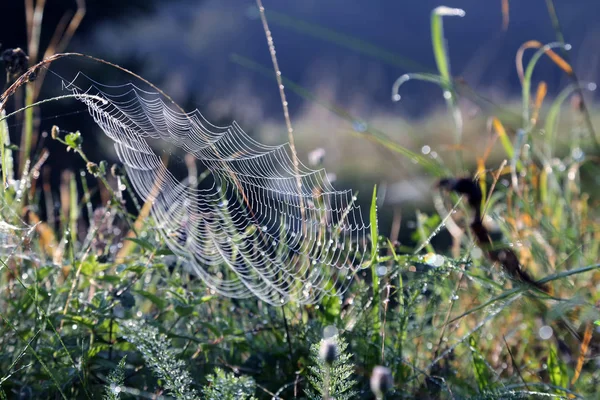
89, 305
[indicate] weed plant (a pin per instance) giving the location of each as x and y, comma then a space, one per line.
89, 310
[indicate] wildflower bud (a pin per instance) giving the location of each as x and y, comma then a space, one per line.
328, 351
54, 132
92, 168
381, 381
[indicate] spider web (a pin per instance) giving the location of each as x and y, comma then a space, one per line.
259, 226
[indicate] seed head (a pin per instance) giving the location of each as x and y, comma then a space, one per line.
381, 381
55, 132
328, 351
15, 61
92, 168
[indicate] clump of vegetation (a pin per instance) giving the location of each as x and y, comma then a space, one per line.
93, 302
227, 386
115, 381
331, 370
160, 357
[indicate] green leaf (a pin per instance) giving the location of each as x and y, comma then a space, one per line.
331, 304
184, 310
557, 370
156, 300
82, 320
74, 140
179, 296
43, 272
97, 348
204, 299
137, 269
164, 252
91, 267
108, 278
142, 243
374, 227
480, 368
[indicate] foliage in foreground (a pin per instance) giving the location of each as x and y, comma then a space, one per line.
331, 379
89, 308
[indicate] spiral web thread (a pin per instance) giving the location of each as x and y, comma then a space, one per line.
14, 232
245, 234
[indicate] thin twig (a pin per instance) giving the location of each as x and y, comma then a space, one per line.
287, 333
385, 307
284, 103
281, 389
512, 359
63, 34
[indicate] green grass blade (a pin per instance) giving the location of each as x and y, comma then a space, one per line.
438, 40
5, 151
440, 52
557, 369
420, 76
374, 260
37, 357
374, 227
526, 85
554, 112
3, 142
73, 214
480, 368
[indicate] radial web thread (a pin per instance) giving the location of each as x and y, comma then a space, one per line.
260, 227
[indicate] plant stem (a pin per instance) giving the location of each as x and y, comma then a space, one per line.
560, 37
28, 128
287, 333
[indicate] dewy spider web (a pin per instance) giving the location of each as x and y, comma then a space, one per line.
253, 230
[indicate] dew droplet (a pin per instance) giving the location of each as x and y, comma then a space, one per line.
577, 154
359, 126
381, 270
545, 332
